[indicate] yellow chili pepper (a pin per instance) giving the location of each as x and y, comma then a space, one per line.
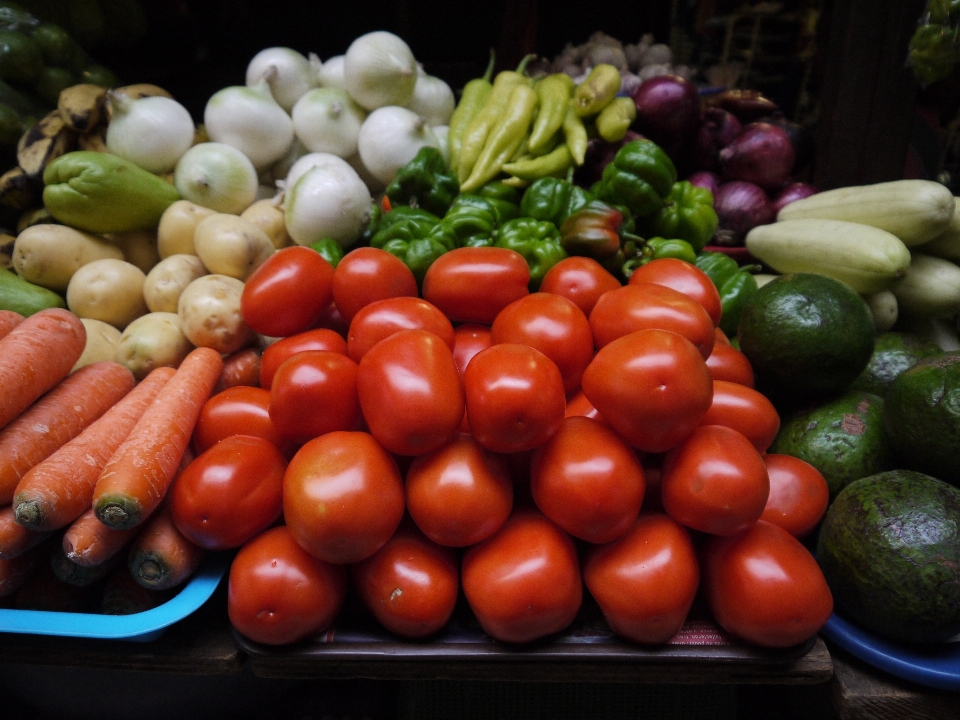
472, 98
554, 93
616, 118
575, 134
553, 164
597, 90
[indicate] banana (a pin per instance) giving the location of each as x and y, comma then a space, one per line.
35, 216
18, 190
82, 106
135, 92
6, 250
47, 140
94, 140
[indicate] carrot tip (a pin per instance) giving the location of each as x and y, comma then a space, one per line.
29, 514
119, 514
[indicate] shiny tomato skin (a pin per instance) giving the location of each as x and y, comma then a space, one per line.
683, 277
410, 585
459, 494
714, 481
473, 284
645, 581
288, 293
553, 325
515, 399
580, 279
279, 350
799, 494
314, 392
652, 386
763, 586
524, 582
728, 363
410, 392
745, 410
342, 496
367, 274
587, 480
277, 593
468, 340
383, 318
645, 306
238, 410
229, 493
578, 405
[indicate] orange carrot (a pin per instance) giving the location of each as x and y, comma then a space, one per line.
80, 575
15, 539
161, 557
8, 321
14, 573
240, 368
138, 475
88, 542
55, 492
37, 354
58, 417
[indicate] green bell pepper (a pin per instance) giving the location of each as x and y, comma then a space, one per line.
329, 249
553, 199
538, 241
424, 182
504, 198
640, 177
687, 215
735, 284
411, 235
639, 252
473, 221
593, 231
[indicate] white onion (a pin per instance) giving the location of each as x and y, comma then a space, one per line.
280, 169
328, 120
374, 185
152, 132
443, 133
294, 74
389, 139
379, 69
216, 176
308, 162
330, 73
432, 99
328, 201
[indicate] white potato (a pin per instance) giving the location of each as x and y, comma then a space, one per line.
102, 339
267, 215
168, 278
139, 247
48, 255
110, 290
209, 308
176, 228
151, 341
229, 245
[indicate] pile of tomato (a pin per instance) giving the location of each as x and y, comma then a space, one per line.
523, 448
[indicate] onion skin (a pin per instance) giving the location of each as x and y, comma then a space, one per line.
791, 192
705, 179
668, 112
718, 128
746, 105
762, 154
741, 206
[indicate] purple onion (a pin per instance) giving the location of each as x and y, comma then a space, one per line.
668, 111
791, 192
718, 128
705, 179
762, 154
747, 105
741, 206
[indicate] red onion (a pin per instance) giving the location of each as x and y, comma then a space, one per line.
800, 137
793, 191
747, 105
740, 206
668, 111
705, 179
718, 128
761, 154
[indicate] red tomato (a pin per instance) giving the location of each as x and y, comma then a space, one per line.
715, 481
646, 581
578, 405
728, 363
721, 337
553, 325
684, 277
468, 340
230, 493
288, 292
641, 307
763, 586
460, 493
410, 585
314, 392
367, 274
799, 494
342, 496
277, 593
744, 409
523, 583
473, 284
580, 279
515, 398
587, 480
410, 392
651, 386
239, 410
332, 319
278, 351
382, 318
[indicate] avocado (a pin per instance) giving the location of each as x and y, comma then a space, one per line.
24, 297
889, 547
893, 353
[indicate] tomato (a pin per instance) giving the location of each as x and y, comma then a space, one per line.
715, 481
651, 386
515, 398
229, 493
580, 279
342, 496
799, 494
277, 593
763, 586
683, 277
410, 392
577, 404
278, 351
641, 307
745, 410
460, 493
332, 319
314, 392
367, 274
721, 337
473, 284
587, 480
410, 585
468, 340
553, 325
728, 363
524, 582
288, 293
382, 318
645, 581
239, 410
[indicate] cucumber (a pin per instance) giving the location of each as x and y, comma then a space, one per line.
947, 244
916, 211
930, 288
24, 297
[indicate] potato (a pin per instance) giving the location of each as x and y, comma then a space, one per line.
102, 339
151, 341
169, 277
268, 216
229, 245
139, 247
48, 255
177, 224
110, 290
210, 310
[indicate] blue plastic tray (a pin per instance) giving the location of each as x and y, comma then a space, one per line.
143, 627
936, 666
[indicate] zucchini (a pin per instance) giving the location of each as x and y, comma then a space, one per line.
866, 258
24, 297
930, 288
916, 211
946, 245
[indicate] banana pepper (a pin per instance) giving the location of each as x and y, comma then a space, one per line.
640, 177
735, 284
688, 215
537, 241
424, 182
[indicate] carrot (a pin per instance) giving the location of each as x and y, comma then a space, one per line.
8, 321
55, 492
37, 354
122, 595
14, 573
161, 557
89, 543
71, 573
45, 591
58, 417
138, 475
15, 539
240, 368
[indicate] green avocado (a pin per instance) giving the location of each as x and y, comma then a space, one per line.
893, 353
